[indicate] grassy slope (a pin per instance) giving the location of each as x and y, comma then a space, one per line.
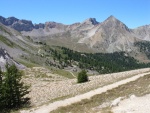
61, 72
6, 41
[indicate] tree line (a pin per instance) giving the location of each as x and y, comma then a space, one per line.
101, 62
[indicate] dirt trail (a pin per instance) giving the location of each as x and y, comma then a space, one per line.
53, 106
72, 74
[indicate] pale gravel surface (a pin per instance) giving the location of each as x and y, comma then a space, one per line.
44, 90
67, 87
137, 105
52, 106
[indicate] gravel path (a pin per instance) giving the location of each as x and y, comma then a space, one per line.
52, 106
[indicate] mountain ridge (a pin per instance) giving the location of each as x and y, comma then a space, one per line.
108, 36
31, 44
12, 20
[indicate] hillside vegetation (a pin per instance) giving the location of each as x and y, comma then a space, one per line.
100, 62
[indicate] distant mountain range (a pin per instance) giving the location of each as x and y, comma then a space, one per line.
108, 36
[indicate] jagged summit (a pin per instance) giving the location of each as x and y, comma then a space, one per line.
19, 25
113, 23
112, 19
91, 20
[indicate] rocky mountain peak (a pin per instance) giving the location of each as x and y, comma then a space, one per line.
10, 20
112, 19
54, 25
113, 23
19, 25
143, 32
50, 24
91, 21
87, 24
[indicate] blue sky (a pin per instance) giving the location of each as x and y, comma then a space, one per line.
133, 13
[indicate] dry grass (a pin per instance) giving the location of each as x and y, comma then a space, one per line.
62, 73
97, 103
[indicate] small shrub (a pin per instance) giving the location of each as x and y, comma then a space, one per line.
82, 77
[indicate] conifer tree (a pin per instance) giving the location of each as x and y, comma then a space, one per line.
13, 89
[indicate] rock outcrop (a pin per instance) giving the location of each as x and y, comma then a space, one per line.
5, 58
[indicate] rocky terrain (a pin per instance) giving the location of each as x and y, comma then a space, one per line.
134, 106
19, 25
12, 41
6, 59
143, 32
51, 91
47, 87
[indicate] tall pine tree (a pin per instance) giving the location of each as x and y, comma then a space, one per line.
13, 89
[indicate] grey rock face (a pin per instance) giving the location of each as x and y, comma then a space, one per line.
10, 20
5, 58
40, 25
143, 32
22, 25
91, 21
112, 22
19, 25
94, 22
52, 25
112, 35
26, 25
2, 20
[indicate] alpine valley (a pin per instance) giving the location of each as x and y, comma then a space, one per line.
99, 47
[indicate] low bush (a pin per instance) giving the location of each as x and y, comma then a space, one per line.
82, 77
